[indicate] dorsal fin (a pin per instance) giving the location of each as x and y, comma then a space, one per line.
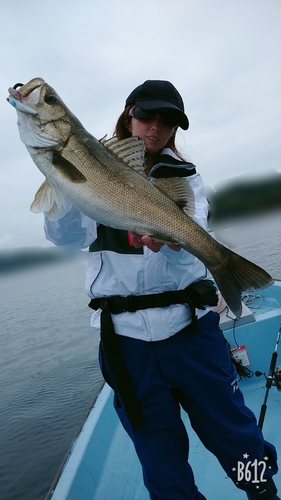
179, 190
131, 151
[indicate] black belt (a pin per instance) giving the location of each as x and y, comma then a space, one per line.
196, 295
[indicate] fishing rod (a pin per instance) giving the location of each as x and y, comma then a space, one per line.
271, 379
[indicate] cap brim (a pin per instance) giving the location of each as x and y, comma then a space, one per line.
151, 105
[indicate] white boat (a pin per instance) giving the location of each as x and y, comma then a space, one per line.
102, 464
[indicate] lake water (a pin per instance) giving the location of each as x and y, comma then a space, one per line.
49, 373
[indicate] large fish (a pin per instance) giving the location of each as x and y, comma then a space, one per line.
105, 180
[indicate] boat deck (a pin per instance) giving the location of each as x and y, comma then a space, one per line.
103, 464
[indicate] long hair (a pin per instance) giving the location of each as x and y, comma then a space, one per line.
121, 130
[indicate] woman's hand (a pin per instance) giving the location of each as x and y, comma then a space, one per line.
139, 240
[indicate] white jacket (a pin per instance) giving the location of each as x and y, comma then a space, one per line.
110, 271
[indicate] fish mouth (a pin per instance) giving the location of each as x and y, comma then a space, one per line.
26, 89
19, 99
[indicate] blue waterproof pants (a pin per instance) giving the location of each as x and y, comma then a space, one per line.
192, 370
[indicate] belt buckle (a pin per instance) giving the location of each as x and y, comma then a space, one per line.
123, 304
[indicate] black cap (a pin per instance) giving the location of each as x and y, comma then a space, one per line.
159, 94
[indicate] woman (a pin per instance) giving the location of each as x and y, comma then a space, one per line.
156, 352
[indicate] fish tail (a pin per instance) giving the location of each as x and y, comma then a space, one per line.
236, 275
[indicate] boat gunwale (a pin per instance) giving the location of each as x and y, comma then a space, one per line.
73, 442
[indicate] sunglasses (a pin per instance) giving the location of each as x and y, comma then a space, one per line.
168, 118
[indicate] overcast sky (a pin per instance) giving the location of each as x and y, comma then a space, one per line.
222, 55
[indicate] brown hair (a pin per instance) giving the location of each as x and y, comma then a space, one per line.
122, 130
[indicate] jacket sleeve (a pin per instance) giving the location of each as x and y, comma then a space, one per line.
75, 229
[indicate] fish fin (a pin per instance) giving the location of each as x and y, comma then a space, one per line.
237, 275
51, 200
179, 190
67, 169
131, 151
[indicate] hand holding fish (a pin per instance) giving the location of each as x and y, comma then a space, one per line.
139, 241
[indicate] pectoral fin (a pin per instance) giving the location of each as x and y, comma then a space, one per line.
180, 190
67, 169
51, 200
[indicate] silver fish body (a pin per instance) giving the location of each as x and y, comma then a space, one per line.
102, 181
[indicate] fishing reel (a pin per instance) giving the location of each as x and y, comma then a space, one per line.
274, 379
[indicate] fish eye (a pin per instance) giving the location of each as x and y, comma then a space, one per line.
50, 99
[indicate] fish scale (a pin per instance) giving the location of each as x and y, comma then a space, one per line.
104, 180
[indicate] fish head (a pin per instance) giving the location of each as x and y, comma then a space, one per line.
44, 122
